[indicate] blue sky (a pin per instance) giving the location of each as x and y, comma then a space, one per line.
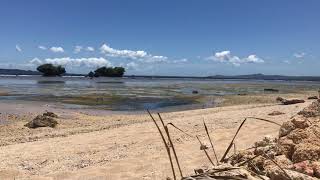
163, 37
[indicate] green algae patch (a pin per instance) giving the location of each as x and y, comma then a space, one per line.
91, 100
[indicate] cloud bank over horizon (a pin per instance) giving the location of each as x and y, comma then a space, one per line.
77, 62
83, 58
130, 54
130, 59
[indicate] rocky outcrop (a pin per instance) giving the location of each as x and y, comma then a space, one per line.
50, 114
44, 120
299, 138
298, 144
311, 111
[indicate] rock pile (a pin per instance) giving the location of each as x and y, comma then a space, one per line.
44, 120
296, 150
294, 154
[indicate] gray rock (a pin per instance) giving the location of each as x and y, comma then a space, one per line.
42, 121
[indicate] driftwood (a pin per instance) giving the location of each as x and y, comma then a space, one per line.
270, 90
313, 97
289, 101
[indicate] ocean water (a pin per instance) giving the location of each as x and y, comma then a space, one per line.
135, 93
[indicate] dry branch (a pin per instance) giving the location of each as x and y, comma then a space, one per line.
231, 143
215, 155
205, 151
170, 141
165, 144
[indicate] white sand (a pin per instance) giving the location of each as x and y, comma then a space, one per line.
126, 146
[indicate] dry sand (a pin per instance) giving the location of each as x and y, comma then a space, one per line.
121, 146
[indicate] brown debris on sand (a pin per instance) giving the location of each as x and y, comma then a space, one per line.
276, 113
223, 171
313, 97
44, 120
289, 101
270, 90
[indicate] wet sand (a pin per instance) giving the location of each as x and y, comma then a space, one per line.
88, 145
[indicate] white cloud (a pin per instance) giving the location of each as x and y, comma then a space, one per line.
223, 55
18, 48
154, 59
180, 60
254, 59
57, 49
67, 61
227, 57
140, 55
299, 55
89, 48
36, 61
42, 47
77, 49
131, 65
107, 50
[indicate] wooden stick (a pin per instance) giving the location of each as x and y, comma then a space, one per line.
165, 144
170, 141
205, 151
215, 155
266, 120
231, 143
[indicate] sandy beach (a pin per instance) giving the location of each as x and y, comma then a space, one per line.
159, 90
103, 145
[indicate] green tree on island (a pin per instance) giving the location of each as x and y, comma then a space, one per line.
51, 70
109, 72
90, 74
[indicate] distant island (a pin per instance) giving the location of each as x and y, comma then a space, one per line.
18, 72
243, 77
217, 77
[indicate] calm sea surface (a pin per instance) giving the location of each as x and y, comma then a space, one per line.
135, 93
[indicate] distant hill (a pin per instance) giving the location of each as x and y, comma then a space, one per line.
236, 77
27, 72
18, 72
242, 77
268, 77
